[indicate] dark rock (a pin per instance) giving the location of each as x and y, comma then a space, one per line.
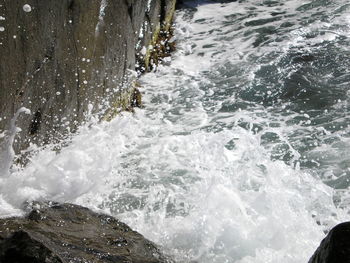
335, 247
20, 247
53, 232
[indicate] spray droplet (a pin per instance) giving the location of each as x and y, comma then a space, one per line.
2, 29
27, 8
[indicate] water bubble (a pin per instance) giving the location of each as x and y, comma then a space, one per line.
27, 8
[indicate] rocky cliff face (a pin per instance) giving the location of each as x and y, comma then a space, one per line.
62, 58
60, 233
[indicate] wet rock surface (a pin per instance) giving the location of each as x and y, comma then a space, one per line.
335, 247
61, 59
53, 232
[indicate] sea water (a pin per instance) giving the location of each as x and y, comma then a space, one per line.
241, 152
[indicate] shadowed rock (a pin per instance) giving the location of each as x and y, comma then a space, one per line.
335, 248
70, 233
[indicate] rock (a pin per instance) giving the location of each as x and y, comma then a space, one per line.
62, 233
136, 99
335, 247
61, 58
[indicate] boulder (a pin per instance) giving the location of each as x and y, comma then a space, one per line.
62, 233
335, 247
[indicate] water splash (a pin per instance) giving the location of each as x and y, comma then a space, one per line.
206, 169
7, 154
